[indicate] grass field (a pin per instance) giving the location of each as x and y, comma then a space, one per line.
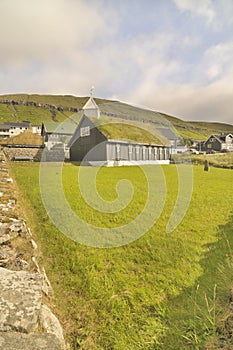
163, 291
220, 160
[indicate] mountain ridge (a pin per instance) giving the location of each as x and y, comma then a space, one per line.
37, 108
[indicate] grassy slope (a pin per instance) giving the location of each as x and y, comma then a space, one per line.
220, 160
196, 130
33, 114
185, 129
124, 298
58, 100
36, 114
199, 130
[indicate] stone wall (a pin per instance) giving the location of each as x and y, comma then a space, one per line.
26, 323
32, 152
40, 105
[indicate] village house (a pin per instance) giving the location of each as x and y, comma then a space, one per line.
24, 146
4, 131
36, 129
94, 142
55, 133
223, 142
11, 129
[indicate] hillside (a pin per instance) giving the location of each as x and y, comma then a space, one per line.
195, 130
38, 108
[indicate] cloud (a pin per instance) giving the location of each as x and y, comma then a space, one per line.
190, 102
32, 29
202, 8
207, 93
219, 60
53, 45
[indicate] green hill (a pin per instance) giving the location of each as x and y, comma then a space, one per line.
61, 100
37, 108
184, 129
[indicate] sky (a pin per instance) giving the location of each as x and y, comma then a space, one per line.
172, 56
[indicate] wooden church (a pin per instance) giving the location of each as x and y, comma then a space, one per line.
99, 141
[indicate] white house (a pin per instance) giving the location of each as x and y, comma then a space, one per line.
36, 129
55, 133
9, 129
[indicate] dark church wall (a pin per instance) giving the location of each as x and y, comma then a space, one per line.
91, 147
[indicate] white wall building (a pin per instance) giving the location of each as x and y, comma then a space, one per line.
10, 129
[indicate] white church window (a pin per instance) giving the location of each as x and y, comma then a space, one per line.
85, 131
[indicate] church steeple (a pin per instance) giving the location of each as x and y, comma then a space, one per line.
91, 108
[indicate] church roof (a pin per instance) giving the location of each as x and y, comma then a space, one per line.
122, 130
90, 104
59, 128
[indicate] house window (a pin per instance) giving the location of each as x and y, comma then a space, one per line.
85, 131
209, 145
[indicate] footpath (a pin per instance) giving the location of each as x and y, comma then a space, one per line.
26, 323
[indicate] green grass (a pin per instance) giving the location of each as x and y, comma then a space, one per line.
200, 135
128, 132
202, 132
19, 113
37, 115
220, 160
58, 100
142, 295
198, 314
7, 113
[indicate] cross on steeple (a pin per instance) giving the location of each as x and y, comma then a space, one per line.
91, 108
92, 90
